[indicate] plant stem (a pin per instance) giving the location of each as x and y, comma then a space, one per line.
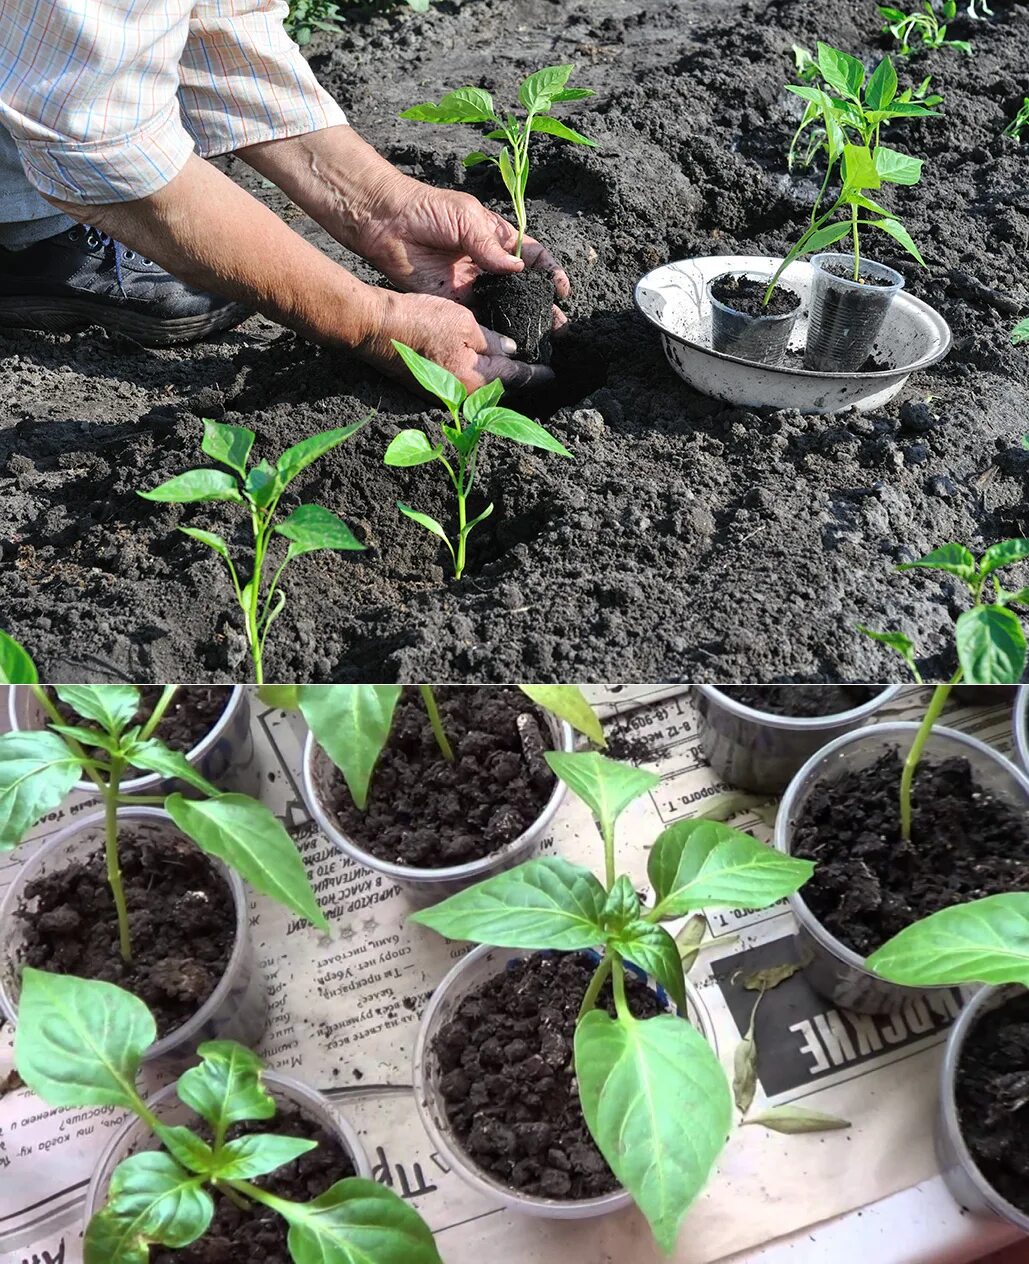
253, 632
935, 709
609, 856
596, 984
857, 243
429, 698
157, 715
114, 878
462, 518
233, 1195
621, 1002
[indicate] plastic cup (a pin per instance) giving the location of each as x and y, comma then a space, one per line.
761, 339
846, 315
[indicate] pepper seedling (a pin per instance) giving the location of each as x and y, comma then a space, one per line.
629, 1070
259, 489
16, 665
923, 25
39, 767
79, 1043
538, 95
1019, 123
989, 638
471, 417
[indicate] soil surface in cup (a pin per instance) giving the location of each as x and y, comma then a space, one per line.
520, 306
257, 1233
744, 294
992, 1092
182, 918
806, 701
429, 813
863, 278
192, 714
508, 1079
869, 883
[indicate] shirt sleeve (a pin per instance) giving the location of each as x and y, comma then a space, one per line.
88, 91
244, 81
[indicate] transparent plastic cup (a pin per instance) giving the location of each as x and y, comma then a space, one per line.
834, 970
762, 339
424, 887
469, 974
758, 751
1022, 726
225, 756
846, 315
960, 1171
135, 1136
237, 1009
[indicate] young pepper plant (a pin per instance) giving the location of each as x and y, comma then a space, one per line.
39, 767
259, 488
538, 95
924, 25
653, 1093
989, 638
1019, 123
471, 417
79, 1043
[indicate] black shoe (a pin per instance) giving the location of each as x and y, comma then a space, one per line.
81, 277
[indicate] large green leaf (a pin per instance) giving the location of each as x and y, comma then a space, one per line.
606, 786
312, 527
705, 864
538, 91
554, 127
79, 1042
258, 1154
37, 770
357, 1222
545, 903
895, 167
16, 665
859, 169
151, 1199
409, 448
508, 424
226, 1087
843, 73
307, 451
195, 486
985, 941
882, 86
433, 377
154, 756
895, 229
991, 645
1003, 554
111, 706
485, 397
655, 951
229, 445
955, 559
659, 1107
465, 105
568, 703
251, 839
351, 723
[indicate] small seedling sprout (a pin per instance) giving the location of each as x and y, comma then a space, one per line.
923, 25
1020, 333
1019, 123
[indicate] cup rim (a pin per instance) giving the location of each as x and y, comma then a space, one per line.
749, 274
1021, 725
800, 723
897, 279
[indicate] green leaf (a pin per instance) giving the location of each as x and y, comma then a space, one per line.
654, 951
568, 703
262, 484
573, 94
258, 1154
537, 92
545, 903
287, 697
226, 1088
991, 646
897, 168
1003, 554
79, 1042
1020, 333
507, 173
195, 486
705, 864
185, 1147
312, 527
154, 756
249, 838
554, 127
433, 377
843, 73
466, 105
151, 1199
621, 908
230, 445
897, 641
357, 1222
111, 706
638, 1082
882, 86
984, 941
411, 447
859, 169
210, 538
423, 520
606, 786
351, 723
37, 770
795, 1119
511, 425
466, 529
88, 737
475, 158
16, 665
485, 397
297, 458
825, 237
895, 229
955, 559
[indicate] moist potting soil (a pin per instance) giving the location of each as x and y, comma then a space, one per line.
745, 295
429, 813
181, 915
863, 277
508, 1079
800, 700
521, 306
626, 563
869, 883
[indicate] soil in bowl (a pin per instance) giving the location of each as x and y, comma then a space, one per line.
992, 1092
181, 914
744, 294
508, 1079
519, 306
807, 701
255, 1232
869, 883
428, 813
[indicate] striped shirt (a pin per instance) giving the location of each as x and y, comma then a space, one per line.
107, 99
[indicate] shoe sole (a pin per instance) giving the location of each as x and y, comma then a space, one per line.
68, 315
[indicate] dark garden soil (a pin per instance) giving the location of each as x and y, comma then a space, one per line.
869, 884
993, 1098
748, 296
509, 1083
522, 308
687, 539
429, 813
257, 1233
800, 700
181, 915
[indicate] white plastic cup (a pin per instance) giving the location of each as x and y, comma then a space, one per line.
846, 315
1022, 726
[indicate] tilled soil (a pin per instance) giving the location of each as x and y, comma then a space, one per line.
687, 540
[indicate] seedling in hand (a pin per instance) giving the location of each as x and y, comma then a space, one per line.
39, 767
1019, 123
80, 1043
663, 1157
537, 95
471, 417
258, 489
923, 25
989, 638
